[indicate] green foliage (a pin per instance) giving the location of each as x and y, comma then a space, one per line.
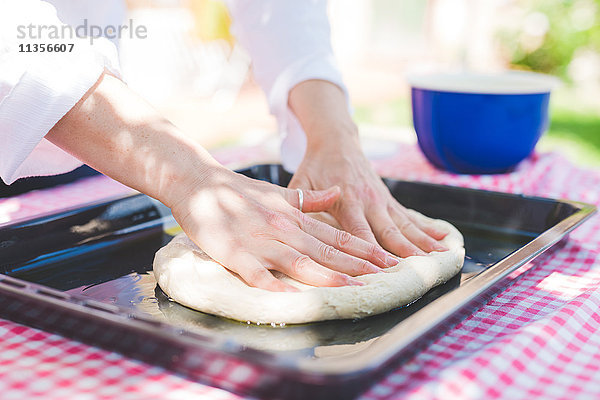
575, 133
572, 25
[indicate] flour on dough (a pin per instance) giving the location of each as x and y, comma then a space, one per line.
190, 277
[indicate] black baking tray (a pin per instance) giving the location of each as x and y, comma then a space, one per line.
86, 274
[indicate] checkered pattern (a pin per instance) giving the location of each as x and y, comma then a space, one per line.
83, 191
539, 338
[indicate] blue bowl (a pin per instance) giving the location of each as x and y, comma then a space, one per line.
480, 124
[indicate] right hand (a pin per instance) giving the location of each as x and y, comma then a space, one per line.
251, 227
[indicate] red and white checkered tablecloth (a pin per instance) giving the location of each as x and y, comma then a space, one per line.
539, 338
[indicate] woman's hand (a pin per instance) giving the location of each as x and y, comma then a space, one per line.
366, 208
333, 157
252, 227
248, 226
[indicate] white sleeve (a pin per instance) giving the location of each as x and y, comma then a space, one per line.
289, 42
37, 89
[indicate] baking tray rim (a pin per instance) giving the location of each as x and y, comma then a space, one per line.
434, 314
382, 350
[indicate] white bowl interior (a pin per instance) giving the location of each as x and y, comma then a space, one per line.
513, 82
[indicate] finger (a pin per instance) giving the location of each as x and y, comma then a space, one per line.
314, 200
302, 268
414, 234
255, 274
299, 181
325, 218
329, 256
322, 234
390, 237
351, 217
426, 224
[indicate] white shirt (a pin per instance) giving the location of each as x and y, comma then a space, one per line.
288, 41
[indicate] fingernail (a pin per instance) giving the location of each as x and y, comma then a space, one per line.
419, 252
374, 269
291, 289
355, 282
440, 247
390, 261
442, 232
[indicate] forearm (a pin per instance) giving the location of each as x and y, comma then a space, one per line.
116, 132
322, 110
119, 134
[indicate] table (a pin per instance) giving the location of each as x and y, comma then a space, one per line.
540, 337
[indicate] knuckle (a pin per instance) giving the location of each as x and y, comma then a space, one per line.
389, 232
278, 221
352, 205
360, 230
406, 225
271, 217
300, 264
395, 208
257, 276
371, 193
299, 215
342, 238
338, 279
362, 267
263, 235
374, 251
421, 237
327, 253
365, 193
305, 222
403, 209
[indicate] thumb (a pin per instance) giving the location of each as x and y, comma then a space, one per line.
314, 200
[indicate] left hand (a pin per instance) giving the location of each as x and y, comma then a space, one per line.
366, 208
333, 157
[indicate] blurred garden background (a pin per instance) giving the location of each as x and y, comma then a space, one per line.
192, 70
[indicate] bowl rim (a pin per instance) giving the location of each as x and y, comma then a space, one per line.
506, 82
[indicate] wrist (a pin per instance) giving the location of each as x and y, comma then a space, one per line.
338, 136
193, 169
322, 110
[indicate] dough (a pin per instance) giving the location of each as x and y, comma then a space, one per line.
190, 277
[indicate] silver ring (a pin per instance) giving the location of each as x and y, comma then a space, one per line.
300, 199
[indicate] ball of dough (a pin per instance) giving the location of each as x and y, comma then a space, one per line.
190, 277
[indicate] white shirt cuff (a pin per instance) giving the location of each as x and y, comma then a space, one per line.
43, 94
